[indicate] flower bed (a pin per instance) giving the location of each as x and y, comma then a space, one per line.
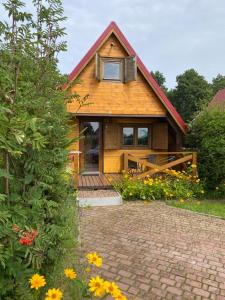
93, 287
180, 186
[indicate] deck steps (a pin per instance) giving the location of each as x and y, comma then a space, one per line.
99, 198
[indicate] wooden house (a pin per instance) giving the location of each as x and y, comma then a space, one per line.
128, 119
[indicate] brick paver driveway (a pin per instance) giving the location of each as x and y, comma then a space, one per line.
158, 252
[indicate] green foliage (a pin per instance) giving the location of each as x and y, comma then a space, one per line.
69, 253
191, 94
160, 79
218, 83
160, 188
33, 142
207, 136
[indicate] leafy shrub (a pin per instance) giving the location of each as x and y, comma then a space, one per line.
207, 136
161, 188
33, 143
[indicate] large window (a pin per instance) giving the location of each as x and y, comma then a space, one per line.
136, 136
112, 70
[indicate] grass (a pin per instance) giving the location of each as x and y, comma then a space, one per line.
211, 207
69, 258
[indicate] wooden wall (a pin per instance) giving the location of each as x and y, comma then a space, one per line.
133, 98
113, 158
74, 133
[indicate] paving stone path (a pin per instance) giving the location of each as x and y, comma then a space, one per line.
154, 251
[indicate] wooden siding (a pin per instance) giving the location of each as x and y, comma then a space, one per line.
115, 98
113, 158
74, 133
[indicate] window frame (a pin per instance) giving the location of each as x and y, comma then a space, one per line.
135, 144
119, 61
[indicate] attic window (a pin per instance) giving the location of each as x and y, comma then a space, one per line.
116, 69
112, 70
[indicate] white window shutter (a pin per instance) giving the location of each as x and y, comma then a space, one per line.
130, 68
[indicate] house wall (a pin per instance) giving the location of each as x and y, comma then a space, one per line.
134, 98
113, 158
74, 133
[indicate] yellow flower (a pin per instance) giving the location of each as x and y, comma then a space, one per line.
53, 294
88, 270
121, 297
94, 259
97, 286
70, 273
181, 200
37, 281
112, 289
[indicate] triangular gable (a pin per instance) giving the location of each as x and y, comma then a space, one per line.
113, 28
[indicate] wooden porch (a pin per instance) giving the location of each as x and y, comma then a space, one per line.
97, 182
141, 167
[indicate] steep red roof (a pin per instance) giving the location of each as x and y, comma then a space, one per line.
113, 28
218, 99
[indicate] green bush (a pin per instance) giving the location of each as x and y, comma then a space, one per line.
33, 143
207, 136
160, 188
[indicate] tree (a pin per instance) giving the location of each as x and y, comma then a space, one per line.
33, 141
207, 136
160, 79
191, 94
218, 83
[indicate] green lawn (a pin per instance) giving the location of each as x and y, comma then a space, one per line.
211, 207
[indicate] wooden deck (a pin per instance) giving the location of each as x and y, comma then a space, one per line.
97, 182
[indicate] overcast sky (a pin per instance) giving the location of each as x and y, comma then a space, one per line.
169, 36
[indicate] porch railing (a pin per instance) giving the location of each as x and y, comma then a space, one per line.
159, 162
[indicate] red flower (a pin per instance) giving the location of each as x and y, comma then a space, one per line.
25, 241
27, 237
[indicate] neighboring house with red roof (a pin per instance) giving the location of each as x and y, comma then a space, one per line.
218, 100
127, 113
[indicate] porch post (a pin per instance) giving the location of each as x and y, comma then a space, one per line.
125, 161
194, 162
